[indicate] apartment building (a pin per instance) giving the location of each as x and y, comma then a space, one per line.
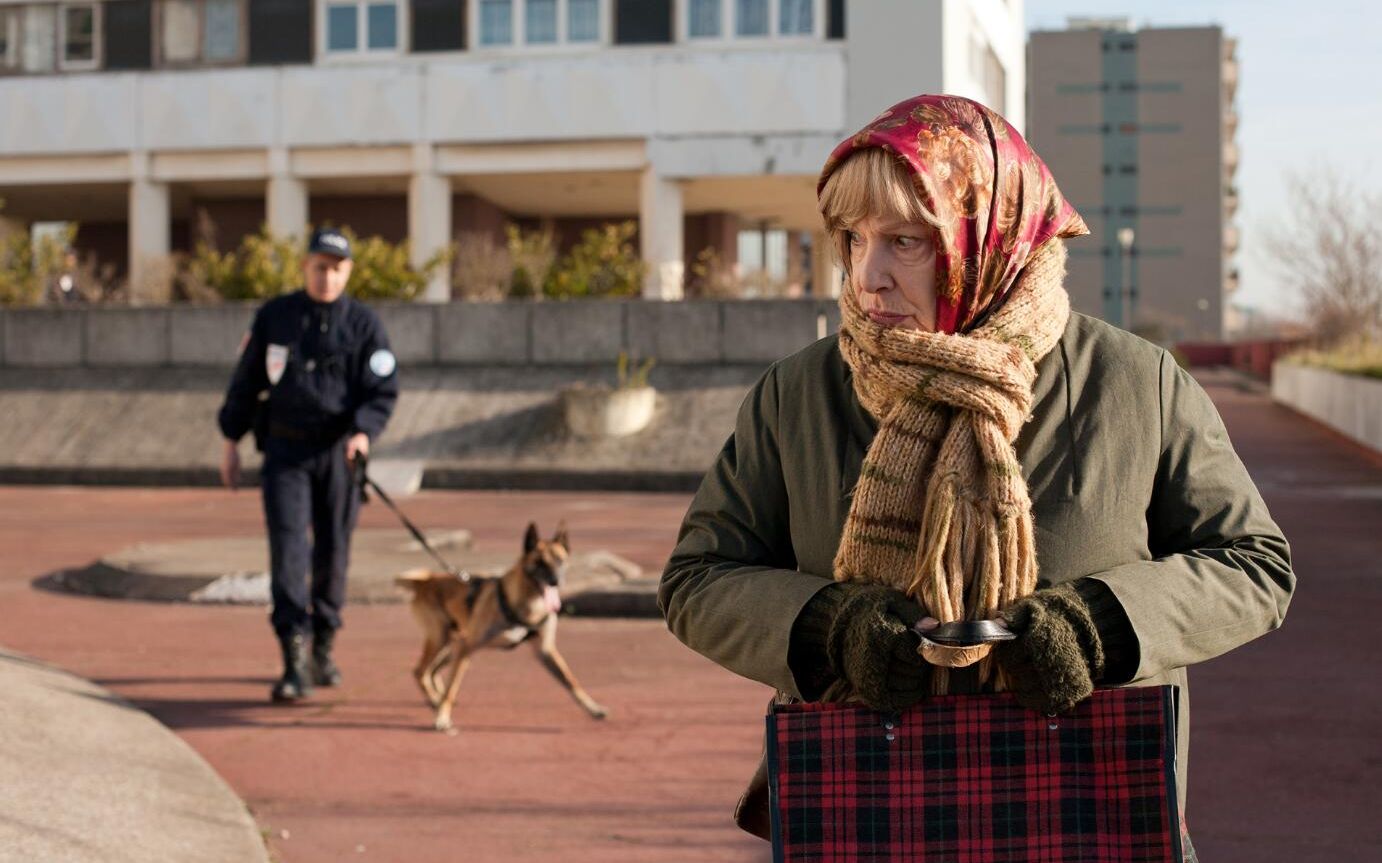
1139, 127
705, 121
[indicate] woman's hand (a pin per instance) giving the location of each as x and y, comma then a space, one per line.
1057, 655
872, 645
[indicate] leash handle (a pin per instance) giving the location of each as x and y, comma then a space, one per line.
367, 482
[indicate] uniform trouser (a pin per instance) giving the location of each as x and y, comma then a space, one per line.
308, 488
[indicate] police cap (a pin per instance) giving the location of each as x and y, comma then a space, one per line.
329, 241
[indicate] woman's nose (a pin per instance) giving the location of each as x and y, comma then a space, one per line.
874, 273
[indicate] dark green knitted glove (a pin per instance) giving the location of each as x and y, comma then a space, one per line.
1057, 655
870, 644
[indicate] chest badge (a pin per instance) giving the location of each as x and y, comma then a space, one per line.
382, 363
275, 362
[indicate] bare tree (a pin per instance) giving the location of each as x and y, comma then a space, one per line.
1330, 253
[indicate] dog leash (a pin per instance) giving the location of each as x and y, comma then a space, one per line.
362, 467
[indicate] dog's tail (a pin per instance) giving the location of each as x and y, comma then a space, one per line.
412, 578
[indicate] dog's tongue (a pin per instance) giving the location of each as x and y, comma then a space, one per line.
552, 598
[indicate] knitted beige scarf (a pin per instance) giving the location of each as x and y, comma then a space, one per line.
941, 509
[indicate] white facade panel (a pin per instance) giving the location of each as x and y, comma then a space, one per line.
541, 98
633, 94
733, 155
350, 105
751, 92
196, 110
78, 113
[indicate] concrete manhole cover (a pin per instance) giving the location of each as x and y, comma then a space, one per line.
234, 570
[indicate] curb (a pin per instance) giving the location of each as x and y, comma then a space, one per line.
453, 478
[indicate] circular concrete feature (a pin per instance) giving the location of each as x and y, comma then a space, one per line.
91, 779
234, 570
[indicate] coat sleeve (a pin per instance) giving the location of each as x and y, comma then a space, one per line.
1221, 573
376, 381
250, 378
731, 590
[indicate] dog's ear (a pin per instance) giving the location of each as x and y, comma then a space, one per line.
530, 539
562, 538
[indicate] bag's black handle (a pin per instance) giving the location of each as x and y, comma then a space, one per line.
968, 633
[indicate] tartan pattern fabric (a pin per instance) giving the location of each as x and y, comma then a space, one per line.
977, 779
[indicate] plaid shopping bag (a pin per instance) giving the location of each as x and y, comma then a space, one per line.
977, 779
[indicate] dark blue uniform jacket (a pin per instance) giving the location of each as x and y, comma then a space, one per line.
335, 374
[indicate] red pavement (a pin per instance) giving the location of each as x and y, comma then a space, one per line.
1284, 748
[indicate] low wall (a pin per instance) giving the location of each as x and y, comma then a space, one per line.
1349, 404
481, 334
1254, 357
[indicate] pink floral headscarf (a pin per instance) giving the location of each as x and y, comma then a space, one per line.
994, 195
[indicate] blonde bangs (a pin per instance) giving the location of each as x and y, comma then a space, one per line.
871, 182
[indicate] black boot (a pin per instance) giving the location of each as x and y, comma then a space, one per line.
324, 671
295, 684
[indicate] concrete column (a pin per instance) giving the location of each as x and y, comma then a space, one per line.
660, 236
285, 205
826, 274
429, 220
151, 264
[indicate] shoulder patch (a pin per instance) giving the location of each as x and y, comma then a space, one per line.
382, 363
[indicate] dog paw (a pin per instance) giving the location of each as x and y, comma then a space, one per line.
443, 723
598, 712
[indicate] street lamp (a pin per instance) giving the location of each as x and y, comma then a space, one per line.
1128, 293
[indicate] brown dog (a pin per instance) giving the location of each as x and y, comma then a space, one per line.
459, 617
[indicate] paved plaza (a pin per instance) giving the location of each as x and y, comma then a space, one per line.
1284, 746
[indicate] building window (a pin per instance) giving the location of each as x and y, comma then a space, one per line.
752, 19
538, 22
38, 41
78, 36
496, 22
795, 18
200, 31
9, 38
540, 25
583, 20
178, 26
703, 19
987, 70
50, 37
357, 27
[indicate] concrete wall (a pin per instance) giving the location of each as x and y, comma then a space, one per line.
1349, 404
448, 334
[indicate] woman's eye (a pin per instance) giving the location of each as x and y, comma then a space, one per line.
853, 238
909, 243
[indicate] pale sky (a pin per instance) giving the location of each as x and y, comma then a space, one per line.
1309, 95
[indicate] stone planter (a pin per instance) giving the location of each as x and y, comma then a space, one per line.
603, 412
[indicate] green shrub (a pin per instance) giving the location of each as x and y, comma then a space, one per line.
266, 265
27, 267
382, 270
603, 264
263, 266
532, 255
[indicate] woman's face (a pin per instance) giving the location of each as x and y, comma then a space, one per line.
892, 267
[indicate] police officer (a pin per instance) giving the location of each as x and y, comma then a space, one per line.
316, 381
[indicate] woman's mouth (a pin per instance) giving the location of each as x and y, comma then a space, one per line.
886, 319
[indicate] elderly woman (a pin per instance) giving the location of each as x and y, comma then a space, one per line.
967, 448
